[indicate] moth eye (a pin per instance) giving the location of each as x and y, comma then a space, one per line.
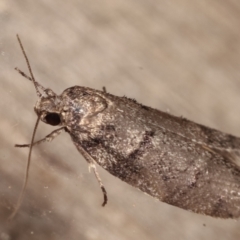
53, 119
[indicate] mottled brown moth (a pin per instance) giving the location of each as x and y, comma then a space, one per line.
175, 160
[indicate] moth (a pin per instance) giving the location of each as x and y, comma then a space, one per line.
175, 160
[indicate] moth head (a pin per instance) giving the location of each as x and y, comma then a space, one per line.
48, 108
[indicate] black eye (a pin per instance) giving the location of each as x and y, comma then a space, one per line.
53, 119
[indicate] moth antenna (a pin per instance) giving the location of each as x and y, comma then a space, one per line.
20, 198
30, 79
29, 68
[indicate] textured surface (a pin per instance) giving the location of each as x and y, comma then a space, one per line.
180, 56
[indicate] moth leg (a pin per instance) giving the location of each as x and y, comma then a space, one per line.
48, 138
105, 199
104, 89
92, 165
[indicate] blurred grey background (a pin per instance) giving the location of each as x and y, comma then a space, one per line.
178, 56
